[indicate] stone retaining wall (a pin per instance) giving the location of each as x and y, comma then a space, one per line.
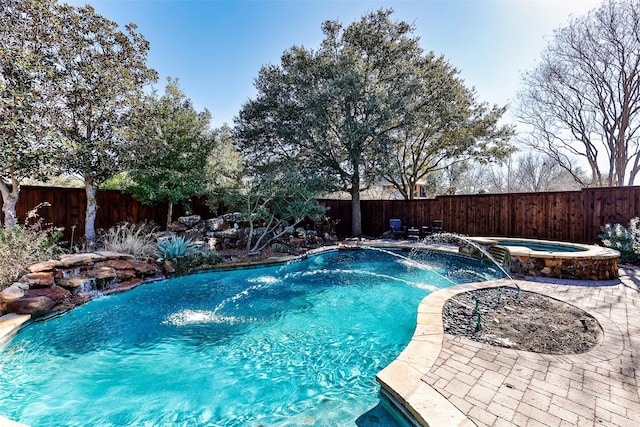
71, 280
566, 268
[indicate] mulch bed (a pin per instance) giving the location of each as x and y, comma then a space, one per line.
528, 321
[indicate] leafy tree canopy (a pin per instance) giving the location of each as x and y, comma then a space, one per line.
343, 111
333, 111
172, 144
447, 127
101, 75
27, 144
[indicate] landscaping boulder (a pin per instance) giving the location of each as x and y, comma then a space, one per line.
41, 279
190, 221
45, 266
123, 274
55, 293
78, 283
232, 217
76, 260
11, 293
216, 224
177, 227
103, 276
145, 269
114, 255
35, 306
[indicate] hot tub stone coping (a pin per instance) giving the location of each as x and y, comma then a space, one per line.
589, 252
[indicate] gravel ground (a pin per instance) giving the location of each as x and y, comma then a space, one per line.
528, 321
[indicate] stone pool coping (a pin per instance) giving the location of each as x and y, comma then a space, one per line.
10, 324
587, 252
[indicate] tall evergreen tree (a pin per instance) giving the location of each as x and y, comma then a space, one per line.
337, 112
172, 144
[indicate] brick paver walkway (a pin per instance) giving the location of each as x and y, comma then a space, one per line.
494, 386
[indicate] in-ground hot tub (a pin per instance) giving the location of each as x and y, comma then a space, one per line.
558, 259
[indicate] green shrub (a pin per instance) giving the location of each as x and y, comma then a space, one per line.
625, 240
173, 247
135, 239
23, 246
196, 261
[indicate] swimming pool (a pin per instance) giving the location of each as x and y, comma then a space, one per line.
283, 345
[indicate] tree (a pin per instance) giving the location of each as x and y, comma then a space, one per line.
448, 127
583, 98
225, 167
273, 203
101, 75
525, 172
172, 143
27, 144
332, 112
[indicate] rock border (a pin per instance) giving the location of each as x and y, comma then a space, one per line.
71, 280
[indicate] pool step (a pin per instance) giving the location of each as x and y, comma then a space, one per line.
9, 325
5, 422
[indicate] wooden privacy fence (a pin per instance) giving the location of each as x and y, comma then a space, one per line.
574, 216
67, 208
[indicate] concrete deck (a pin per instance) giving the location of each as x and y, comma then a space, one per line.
443, 380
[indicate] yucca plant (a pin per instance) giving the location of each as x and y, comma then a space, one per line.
173, 247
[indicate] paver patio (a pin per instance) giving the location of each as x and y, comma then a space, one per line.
455, 381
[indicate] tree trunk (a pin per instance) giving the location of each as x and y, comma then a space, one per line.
412, 190
169, 214
257, 247
90, 213
356, 216
9, 202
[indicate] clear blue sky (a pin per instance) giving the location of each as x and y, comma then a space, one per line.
216, 47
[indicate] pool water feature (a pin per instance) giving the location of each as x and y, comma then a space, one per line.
293, 344
462, 242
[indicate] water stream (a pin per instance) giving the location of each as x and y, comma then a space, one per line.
447, 237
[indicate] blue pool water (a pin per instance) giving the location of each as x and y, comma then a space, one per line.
296, 344
543, 247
